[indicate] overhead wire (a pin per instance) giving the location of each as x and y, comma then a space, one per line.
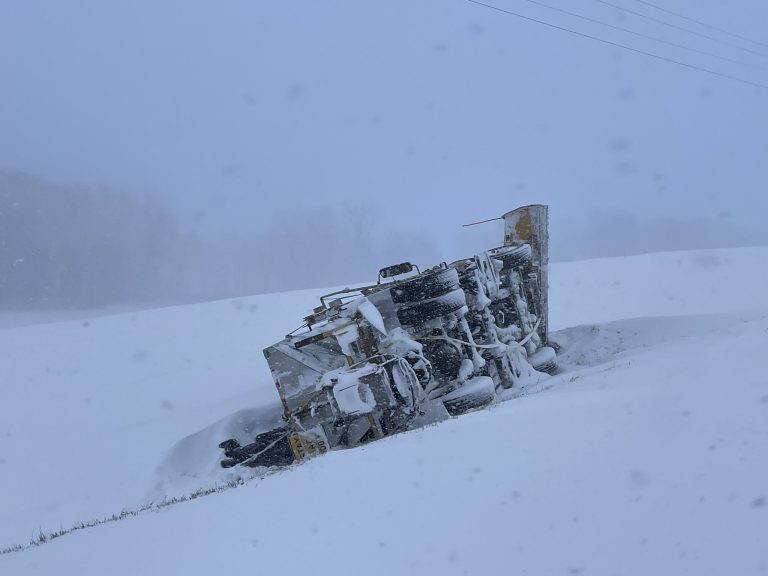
676, 27
641, 35
700, 23
622, 46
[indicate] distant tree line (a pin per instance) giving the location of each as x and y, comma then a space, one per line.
71, 246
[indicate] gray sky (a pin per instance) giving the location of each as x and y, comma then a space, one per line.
412, 117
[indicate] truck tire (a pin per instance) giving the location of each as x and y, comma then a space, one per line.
268, 449
513, 256
473, 394
418, 313
425, 286
544, 360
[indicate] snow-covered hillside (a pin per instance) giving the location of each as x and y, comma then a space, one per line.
646, 455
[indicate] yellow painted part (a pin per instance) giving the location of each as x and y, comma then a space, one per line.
306, 447
376, 432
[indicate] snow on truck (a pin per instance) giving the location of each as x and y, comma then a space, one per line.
416, 347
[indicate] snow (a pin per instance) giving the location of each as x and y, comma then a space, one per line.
646, 455
372, 314
352, 395
542, 356
473, 386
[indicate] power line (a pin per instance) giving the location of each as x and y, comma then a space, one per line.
700, 23
617, 45
683, 28
641, 35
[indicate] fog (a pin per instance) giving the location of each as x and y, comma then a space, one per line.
179, 151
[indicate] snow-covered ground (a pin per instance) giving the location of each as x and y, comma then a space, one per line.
648, 454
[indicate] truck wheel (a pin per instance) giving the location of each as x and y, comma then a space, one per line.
268, 449
512, 256
473, 394
426, 286
544, 360
445, 359
418, 313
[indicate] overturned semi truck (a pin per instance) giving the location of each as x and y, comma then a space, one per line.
415, 347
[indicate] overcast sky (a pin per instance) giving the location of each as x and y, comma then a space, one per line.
411, 117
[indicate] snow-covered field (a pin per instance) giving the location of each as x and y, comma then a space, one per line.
647, 455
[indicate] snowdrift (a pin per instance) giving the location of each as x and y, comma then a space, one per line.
645, 455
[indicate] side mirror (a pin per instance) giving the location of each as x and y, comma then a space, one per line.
395, 270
